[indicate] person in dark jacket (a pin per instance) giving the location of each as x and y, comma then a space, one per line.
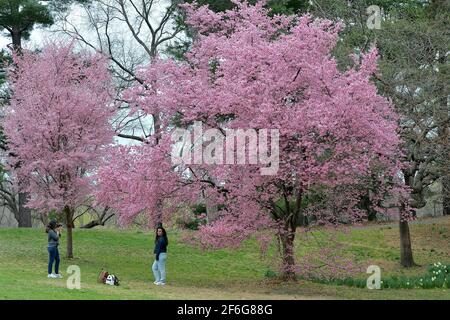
54, 233
159, 265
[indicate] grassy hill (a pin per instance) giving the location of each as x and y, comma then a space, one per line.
193, 274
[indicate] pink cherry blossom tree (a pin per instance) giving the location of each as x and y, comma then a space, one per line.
250, 70
57, 126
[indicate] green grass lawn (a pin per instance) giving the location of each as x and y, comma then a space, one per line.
194, 274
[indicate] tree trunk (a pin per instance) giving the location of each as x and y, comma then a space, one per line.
446, 195
24, 220
288, 259
44, 218
158, 218
69, 223
406, 255
16, 36
69, 241
290, 217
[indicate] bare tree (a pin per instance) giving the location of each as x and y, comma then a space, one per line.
131, 33
9, 196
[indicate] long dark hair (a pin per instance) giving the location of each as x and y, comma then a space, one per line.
164, 235
50, 226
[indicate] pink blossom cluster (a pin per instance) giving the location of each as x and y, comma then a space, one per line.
248, 70
57, 124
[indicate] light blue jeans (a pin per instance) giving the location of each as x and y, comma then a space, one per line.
159, 268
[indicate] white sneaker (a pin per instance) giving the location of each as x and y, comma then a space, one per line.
156, 282
51, 275
161, 284
59, 275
